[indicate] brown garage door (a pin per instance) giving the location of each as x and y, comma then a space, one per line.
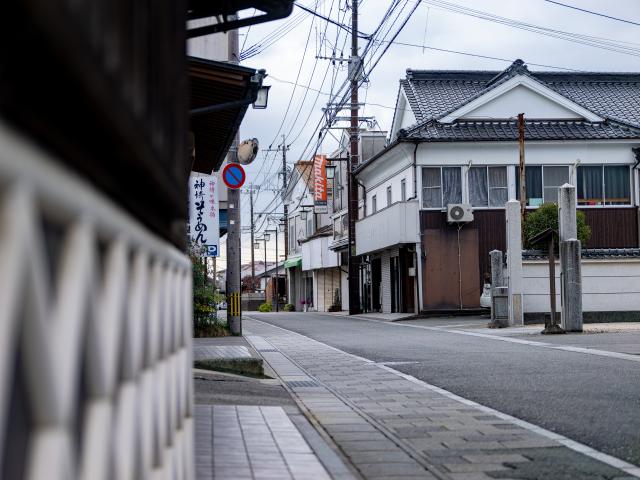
451, 281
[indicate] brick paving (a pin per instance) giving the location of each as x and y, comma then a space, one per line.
390, 426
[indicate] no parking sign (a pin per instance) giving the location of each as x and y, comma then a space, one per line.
233, 175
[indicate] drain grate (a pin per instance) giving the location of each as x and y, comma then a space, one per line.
302, 383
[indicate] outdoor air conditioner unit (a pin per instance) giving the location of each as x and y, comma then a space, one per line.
459, 213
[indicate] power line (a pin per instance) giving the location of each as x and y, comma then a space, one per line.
303, 101
304, 54
345, 97
587, 40
326, 19
593, 13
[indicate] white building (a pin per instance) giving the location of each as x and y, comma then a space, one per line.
299, 199
454, 140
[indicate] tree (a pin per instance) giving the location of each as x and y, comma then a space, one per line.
546, 216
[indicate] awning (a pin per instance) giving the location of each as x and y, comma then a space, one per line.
217, 83
293, 263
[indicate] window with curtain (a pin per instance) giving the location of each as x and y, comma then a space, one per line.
451, 185
552, 178
478, 187
498, 186
533, 185
604, 185
374, 204
441, 186
388, 196
403, 190
589, 187
617, 185
542, 183
431, 188
488, 186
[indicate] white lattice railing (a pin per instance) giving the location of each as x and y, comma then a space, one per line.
95, 332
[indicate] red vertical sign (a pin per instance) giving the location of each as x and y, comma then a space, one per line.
320, 184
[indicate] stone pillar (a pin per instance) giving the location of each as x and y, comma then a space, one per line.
567, 226
570, 263
514, 262
570, 260
499, 297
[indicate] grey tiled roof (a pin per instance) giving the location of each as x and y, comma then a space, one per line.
433, 93
489, 130
588, 253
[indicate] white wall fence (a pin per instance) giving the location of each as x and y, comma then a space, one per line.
609, 284
95, 332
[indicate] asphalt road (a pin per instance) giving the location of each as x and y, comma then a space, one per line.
592, 399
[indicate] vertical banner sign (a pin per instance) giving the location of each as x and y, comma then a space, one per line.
204, 221
320, 184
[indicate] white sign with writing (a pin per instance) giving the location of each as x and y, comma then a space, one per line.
204, 221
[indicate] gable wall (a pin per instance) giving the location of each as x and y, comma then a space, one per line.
521, 99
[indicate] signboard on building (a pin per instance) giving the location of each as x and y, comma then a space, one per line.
320, 184
204, 221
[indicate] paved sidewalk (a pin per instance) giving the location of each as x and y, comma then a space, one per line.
392, 426
251, 442
222, 347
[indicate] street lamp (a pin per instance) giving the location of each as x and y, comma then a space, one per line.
281, 227
267, 237
262, 98
303, 215
331, 171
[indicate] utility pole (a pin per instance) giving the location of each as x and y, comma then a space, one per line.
523, 187
234, 269
253, 263
264, 272
284, 194
352, 186
285, 208
275, 291
283, 147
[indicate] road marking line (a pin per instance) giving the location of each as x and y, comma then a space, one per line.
531, 343
615, 462
396, 363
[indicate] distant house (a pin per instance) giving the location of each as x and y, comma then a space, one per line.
454, 140
317, 255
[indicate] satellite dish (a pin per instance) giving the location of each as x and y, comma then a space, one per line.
247, 151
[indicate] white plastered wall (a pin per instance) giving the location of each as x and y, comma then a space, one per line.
608, 285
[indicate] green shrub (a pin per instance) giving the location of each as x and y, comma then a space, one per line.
265, 307
546, 216
289, 307
205, 316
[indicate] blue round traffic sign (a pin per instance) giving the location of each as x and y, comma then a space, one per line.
233, 175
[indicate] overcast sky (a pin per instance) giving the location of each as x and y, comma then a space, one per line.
445, 30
